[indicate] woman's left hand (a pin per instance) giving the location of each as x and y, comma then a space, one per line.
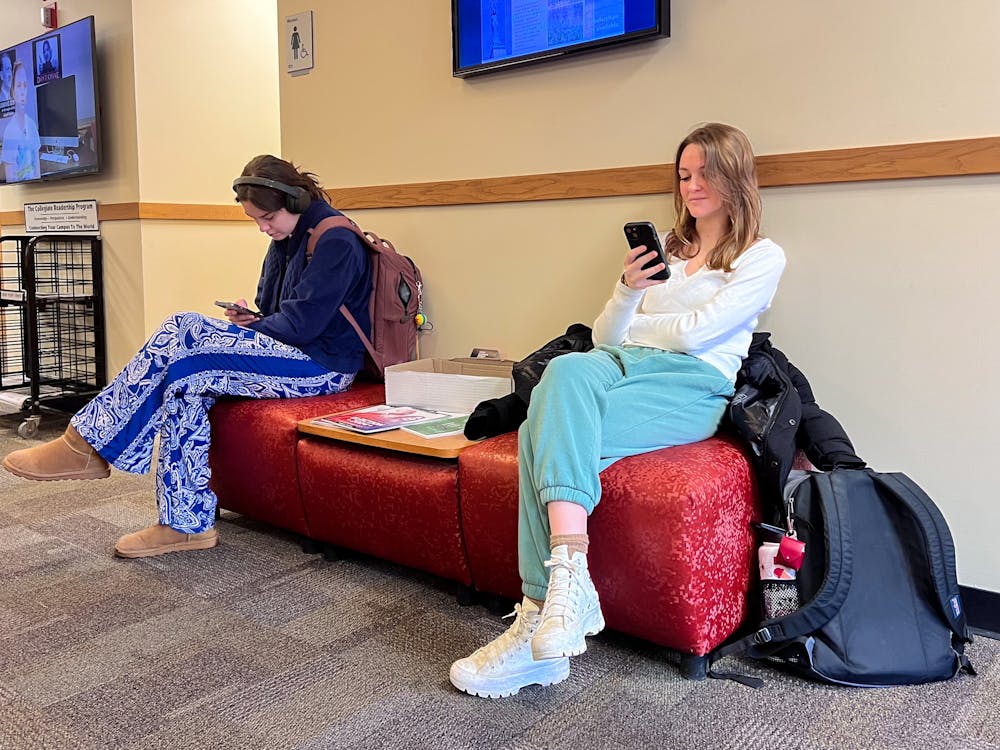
635, 276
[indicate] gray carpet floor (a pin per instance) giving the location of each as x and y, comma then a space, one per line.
255, 644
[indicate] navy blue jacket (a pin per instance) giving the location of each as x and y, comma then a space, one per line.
300, 299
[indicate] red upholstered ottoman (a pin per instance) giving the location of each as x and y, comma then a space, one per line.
253, 453
397, 506
671, 547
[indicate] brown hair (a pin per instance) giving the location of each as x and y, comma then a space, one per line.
272, 168
731, 170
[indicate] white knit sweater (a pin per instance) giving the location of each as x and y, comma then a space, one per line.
710, 315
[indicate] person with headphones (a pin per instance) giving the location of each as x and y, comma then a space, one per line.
299, 345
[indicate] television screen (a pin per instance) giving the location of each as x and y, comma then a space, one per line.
48, 106
492, 34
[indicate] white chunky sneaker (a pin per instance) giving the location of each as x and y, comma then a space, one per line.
504, 666
572, 609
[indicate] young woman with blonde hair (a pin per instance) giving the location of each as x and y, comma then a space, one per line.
663, 370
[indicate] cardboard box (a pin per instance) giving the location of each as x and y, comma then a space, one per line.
454, 385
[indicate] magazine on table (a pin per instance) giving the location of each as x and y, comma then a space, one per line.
453, 424
378, 418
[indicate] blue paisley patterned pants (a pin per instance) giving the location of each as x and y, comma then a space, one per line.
168, 388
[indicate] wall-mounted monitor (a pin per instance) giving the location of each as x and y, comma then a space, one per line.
490, 35
49, 106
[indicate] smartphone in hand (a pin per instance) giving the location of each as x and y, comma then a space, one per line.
239, 308
644, 233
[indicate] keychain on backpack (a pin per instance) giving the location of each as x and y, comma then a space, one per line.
791, 551
420, 318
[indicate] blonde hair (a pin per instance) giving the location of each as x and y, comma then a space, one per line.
732, 172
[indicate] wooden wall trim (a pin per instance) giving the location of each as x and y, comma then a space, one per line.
192, 212
591, 183
969, 156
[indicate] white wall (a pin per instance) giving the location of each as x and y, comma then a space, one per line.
886, 301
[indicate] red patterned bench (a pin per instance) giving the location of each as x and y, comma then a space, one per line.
671, 547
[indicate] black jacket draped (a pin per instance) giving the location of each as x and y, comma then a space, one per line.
775, 413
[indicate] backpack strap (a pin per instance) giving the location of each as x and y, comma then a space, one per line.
330, 222
938, 545
813, 615
839, 569
372, 241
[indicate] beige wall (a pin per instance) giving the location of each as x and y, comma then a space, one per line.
886, 301
206, 102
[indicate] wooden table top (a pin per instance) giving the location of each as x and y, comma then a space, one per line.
397, 440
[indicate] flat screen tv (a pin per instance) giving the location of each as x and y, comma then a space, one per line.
490, 35
49, 108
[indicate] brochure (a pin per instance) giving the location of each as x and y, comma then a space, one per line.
443, 427
377, 418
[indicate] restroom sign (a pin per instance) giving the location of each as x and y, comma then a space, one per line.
299, 42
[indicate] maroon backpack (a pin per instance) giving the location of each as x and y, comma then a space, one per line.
397, 289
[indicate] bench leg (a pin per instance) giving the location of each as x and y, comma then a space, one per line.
694, 667
498, 605
465, 595
310, 546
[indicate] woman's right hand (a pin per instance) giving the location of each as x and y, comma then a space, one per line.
635, 277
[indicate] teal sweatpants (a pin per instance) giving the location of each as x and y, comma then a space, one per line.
591, 409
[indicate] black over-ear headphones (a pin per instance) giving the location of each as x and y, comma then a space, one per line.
297, 199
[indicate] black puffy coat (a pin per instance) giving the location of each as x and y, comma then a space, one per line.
775, 412
498, 415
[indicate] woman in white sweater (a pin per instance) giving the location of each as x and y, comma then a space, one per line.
664, 366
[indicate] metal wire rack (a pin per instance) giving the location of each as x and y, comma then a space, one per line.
52, 333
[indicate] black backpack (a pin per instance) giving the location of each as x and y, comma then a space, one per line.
880, 603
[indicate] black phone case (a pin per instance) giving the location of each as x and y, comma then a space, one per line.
238, 308
644, 233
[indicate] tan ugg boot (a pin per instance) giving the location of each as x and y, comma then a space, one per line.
160, 539
69, 456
